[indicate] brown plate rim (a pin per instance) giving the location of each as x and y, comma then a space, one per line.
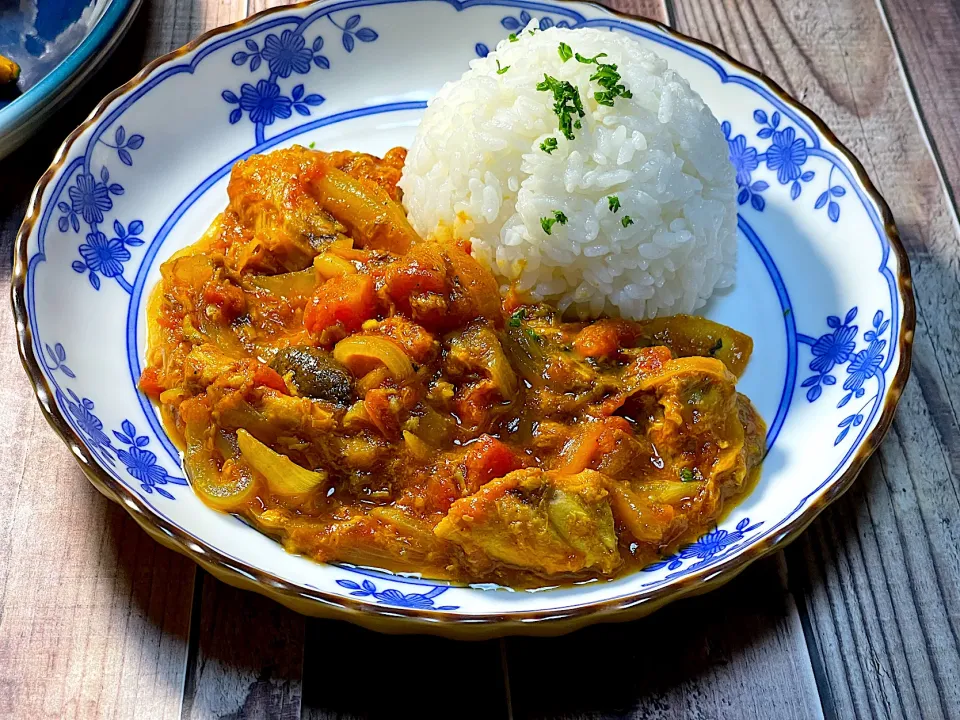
435, 621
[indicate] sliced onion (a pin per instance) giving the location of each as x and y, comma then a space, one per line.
361, 353
284, 477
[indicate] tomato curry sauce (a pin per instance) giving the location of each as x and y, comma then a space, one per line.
367, 396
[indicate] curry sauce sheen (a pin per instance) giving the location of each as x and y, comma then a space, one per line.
366, 396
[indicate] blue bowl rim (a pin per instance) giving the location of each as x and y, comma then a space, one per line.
66, 77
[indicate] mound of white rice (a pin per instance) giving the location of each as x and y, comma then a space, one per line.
477, 165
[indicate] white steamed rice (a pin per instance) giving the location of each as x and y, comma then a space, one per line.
476, 165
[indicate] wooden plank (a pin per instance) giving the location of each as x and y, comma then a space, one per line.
653, 9
926, 33
248, 656
94, 614
353, 674
255, 6
878, 574
736, 653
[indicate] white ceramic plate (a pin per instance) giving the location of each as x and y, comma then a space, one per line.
823, 285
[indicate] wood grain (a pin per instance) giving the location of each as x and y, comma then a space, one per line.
736, 653
926, 33
247, 658
94, 614
653, 9
877, 577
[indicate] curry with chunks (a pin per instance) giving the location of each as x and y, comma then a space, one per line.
367, 396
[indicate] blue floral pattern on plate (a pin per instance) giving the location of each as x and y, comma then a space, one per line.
711, 547
286, 54
390, 596
786, 155
140, 463
837, 348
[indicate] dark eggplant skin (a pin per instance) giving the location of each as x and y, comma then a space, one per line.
315, 373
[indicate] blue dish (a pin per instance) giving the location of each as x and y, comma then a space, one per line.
57, 43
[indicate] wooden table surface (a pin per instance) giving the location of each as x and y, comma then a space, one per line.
860, 618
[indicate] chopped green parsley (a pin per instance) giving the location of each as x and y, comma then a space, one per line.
608, 78
501, 70
512, 37
589, 61
312, 145
549, 145
686, 475
533, 336
547, 223
566, 103
516, 318
565, 51
613, 202
626, 221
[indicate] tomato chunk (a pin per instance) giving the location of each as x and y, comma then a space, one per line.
488, 459
266, 376
348, 300
229, 298
604, 338
422, 270
150, 383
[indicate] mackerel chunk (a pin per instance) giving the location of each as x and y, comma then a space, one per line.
536, 520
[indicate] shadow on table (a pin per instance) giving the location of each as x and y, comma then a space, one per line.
676, 662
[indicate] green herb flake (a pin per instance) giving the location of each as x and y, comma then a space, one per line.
312, 145
547, 223
608, 78
589, 61
517, 318
566, 103
626, 221
565, 51
530, 32
501, 70
717, 347
512, 37
549, 145
613, 202
533, 336
686, 475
